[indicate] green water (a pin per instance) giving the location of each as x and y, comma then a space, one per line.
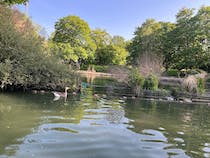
33, 125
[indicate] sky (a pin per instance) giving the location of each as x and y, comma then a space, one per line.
117, 17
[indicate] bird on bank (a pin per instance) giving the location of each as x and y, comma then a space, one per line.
61, 94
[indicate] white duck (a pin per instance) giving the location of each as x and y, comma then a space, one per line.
61, 94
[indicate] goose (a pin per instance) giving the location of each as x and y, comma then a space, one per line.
61, 94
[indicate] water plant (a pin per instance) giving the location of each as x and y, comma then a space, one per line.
151, 83
201, 85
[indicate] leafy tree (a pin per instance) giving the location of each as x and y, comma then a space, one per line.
75, 32
148, 40
10, 2
120, 55
101, 38
119, 41
190, 42
105, 55
24, 61
109, 50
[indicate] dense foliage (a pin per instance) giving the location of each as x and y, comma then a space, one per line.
184, 44
74, 42
135, 78
110, 50
72, 37
24, 59
151, 83
10, 2
139, 82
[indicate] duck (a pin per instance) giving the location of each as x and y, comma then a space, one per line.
61, 94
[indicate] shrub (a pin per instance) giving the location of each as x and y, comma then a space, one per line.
135, 78
136, 81
25, 62
201, 85
99, 68
173, 72
151, 83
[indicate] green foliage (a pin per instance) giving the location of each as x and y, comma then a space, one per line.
120, 55
188, 42
184, 44
135, 79
151, 83
119, 41
63, 51
101, 38
74, 35
201, 85
10, 2
105, 55
109, 50
5, 70
173, 72
25, 62
74, 42
99, 68
148, 39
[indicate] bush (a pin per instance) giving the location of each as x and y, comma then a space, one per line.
25, 61
173, 72
201, 85
99, 68
136, 81
151, 83
135, 78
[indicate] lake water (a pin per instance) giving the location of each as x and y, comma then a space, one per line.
109, 126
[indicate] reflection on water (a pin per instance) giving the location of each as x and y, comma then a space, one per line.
83, 126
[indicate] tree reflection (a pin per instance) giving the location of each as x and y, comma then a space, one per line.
186, 127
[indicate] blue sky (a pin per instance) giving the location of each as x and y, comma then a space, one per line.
118, 17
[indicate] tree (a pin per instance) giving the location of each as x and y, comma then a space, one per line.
24, 62
75, 32
10, 2
109, 50
105, 55
111, 54
119, 41
104, 50
101, 38
190, 42
148, 40
120, 55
